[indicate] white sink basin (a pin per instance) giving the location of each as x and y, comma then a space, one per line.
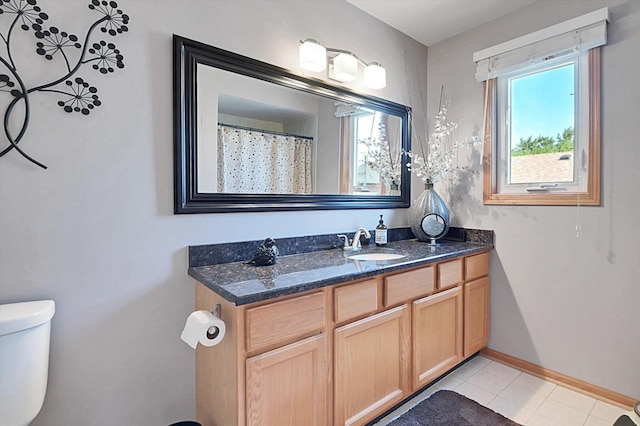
376, 256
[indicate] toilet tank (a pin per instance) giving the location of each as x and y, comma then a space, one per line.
24, 359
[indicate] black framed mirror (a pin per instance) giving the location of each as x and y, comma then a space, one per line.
250, 136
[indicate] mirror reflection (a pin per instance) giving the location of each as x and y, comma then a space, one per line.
250, 136
434, 225
259, 138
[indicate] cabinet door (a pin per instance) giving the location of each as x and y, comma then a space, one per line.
476, 315
288, 386
371, 366
437, 335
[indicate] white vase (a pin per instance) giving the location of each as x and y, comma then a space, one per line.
428, 202
394, 189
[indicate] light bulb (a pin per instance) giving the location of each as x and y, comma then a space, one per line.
345, 67
375, 77
313, 56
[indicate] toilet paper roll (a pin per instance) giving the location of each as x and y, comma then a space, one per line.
203, 327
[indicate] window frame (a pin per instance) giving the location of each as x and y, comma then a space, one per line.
591, 196
506, 110
355, 142
348, 158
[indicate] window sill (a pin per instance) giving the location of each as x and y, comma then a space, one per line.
575, 199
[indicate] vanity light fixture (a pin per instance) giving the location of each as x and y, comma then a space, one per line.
343, 65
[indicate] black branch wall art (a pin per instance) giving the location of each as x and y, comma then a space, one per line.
75, 94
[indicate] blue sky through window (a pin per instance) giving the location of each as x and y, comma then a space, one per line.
542, 104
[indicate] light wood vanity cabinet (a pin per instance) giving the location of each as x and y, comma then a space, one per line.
345, 354
476, 303
288, 385
449, 274
271, 325
476, 315
371, 366
437, 335
405, 286
356, 300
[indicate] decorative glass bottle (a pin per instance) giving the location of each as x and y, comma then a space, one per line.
428, 202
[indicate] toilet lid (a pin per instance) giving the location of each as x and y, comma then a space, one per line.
24, 315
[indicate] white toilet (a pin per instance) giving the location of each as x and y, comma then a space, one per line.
24, 359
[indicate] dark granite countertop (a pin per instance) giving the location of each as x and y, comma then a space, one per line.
240, 283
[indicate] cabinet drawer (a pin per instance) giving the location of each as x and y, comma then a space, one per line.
449, 274
355, 300
409, 285
476, 266
277, 323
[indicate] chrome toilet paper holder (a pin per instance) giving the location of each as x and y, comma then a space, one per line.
217, 310
213, 332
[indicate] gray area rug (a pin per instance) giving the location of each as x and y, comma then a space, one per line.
447, 408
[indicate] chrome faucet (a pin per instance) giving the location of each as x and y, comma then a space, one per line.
354, 244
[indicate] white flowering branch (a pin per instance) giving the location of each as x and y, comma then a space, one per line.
442, 148
382, 158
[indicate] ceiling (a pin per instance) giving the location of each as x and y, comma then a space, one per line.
431, 21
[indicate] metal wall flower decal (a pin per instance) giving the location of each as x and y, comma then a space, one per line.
82, 97
106, 55
27, 13
78, 95
116, 22
54, 41
5, 82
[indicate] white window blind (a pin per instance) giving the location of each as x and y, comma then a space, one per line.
577, 34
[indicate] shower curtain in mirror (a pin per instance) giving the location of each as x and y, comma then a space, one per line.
253, 162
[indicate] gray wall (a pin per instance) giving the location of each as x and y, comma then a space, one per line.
96, 231
569, 304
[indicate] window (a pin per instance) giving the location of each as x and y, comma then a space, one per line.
371, 153
365, 128
539, 102
542, 116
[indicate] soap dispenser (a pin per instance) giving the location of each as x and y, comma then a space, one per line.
381, 233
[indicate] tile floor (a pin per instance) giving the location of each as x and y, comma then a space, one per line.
525, 399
